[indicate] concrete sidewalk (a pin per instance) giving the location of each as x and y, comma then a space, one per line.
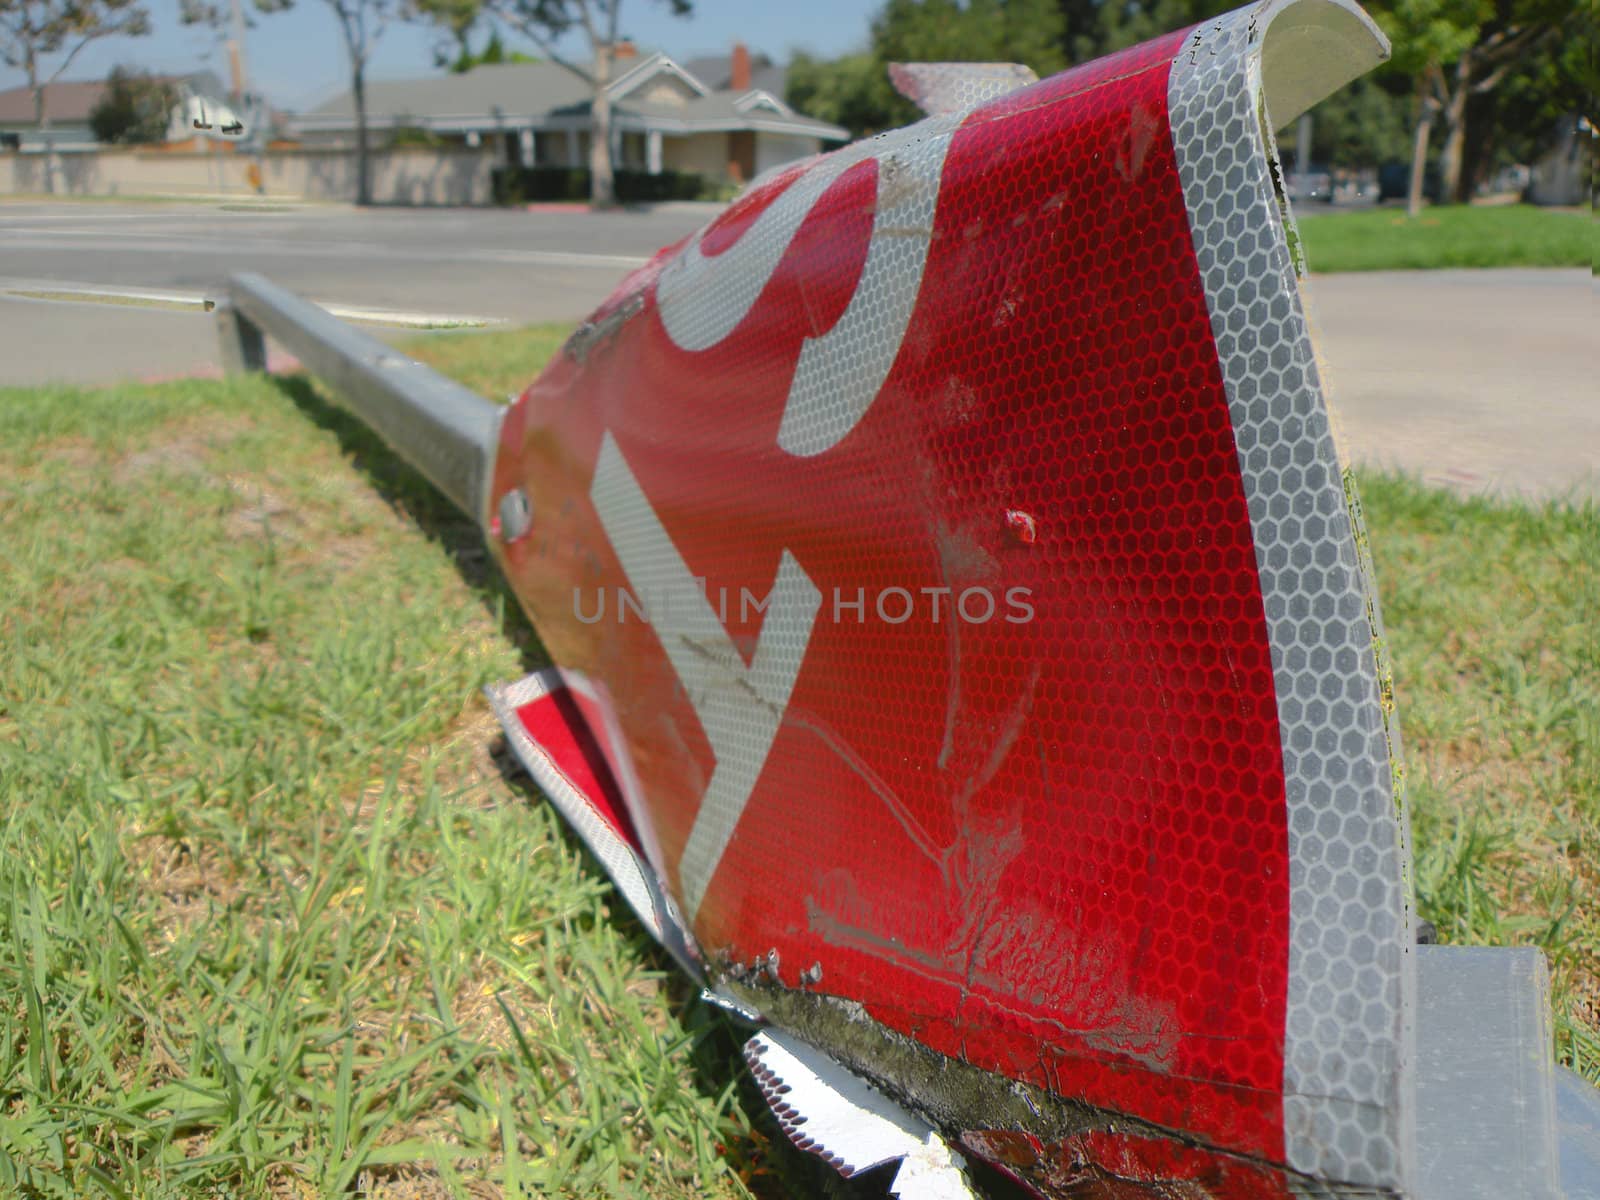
1479, 381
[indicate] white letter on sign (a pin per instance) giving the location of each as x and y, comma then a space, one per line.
702, 298
740, 708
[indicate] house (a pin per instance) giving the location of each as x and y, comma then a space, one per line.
664, 117
69, 103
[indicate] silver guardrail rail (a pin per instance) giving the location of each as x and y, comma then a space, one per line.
445, 431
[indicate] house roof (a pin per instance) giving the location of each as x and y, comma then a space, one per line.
64, 102
724, 110
520, 95
70, 102
717, 71
513, 89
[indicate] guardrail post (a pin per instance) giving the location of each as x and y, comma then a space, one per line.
244, 349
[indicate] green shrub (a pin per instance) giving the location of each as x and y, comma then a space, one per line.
523, 185
415, 135
135, 109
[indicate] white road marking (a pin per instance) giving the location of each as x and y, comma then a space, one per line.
156, 243
48, 291
7, 218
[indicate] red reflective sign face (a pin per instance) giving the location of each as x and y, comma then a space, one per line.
899, 520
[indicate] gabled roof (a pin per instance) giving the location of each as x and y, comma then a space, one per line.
758, 99
519, 95
717, 71
514, 89
724, 111
649, 68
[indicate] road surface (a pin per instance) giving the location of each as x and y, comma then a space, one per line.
1482, 381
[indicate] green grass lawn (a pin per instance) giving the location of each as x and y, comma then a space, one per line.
1489, 609
1385, 239
272, 920
277, 919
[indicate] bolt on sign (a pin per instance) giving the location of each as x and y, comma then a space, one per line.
969, 662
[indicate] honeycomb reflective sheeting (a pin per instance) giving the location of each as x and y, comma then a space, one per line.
703, 297
957, 87
1052, 846
1346, 1049
970, 718
1036, 845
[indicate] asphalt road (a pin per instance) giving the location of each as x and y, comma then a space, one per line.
1477, 380
446, 264
489, 262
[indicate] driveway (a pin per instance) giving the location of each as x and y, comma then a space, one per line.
1476, 380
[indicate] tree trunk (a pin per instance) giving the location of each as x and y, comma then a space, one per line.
358, 80
1455, 134
602, 184
1419, 155
41, 121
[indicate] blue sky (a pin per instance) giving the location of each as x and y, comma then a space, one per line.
297, 57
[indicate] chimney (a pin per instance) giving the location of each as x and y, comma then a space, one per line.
740, 68
623, 49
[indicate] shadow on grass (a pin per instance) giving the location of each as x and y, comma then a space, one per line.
773, 1166
408, 492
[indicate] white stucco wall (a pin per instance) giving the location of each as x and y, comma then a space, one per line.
421, 176
708, 153
704, 154
775, 149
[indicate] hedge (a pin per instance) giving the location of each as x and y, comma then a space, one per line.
520, 185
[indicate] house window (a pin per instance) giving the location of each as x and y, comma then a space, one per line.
550, 149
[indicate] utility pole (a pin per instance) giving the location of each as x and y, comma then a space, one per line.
246, 110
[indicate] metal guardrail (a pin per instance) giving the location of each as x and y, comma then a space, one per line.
443, 430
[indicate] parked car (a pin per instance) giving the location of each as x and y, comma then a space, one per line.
1315, 184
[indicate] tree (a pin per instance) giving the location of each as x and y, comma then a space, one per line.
34, 30
1455, 50
1364, 124
361, 24
545, 23
1024, 31
855, 91
454, 20
136, 108
1514, 122
494, 53
1081, 38
1126, 23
